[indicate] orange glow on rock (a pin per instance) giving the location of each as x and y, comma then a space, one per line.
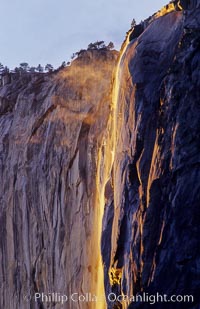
168, 9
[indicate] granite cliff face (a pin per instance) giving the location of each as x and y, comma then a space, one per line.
52, 133
152, 220
90, 161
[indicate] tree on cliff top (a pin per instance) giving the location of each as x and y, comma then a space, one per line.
24, 66
110, 46
133, 23
100, 45
49, 67
96, 45
40, 69
1, 68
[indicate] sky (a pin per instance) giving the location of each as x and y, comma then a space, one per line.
50, 31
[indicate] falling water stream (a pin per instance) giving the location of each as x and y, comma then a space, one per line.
105, 163
106, 155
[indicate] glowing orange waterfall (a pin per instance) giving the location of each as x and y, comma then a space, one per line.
105, 160
115, 93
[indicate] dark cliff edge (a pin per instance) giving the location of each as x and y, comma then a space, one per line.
152, 220
100, 180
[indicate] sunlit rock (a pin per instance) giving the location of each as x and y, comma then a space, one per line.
52, 132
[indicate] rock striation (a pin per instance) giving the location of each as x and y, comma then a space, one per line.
100, 172
52, 128
152, 218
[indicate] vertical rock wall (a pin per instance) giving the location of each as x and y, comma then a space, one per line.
52, 130
72, 153
152, 221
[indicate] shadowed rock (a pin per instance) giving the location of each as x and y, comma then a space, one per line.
156, 219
